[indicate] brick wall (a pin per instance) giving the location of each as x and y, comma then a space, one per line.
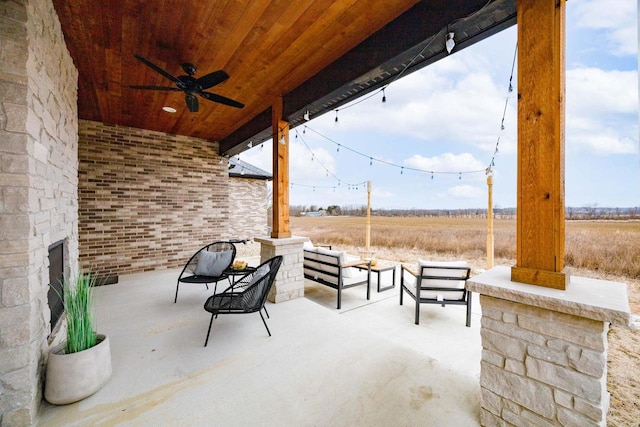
147, 200
248, 205
38, 194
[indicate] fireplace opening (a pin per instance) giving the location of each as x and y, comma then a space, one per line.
56, 279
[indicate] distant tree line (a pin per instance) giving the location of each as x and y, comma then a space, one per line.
571, 213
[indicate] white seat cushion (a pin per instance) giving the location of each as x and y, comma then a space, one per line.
431, 268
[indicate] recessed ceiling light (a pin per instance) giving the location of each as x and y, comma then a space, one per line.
169, 109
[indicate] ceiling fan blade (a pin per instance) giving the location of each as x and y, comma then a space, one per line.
192, 102
221, 99
212, 79
172, 89
157, 69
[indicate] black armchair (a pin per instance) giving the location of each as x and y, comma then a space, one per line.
208, 265
247, 295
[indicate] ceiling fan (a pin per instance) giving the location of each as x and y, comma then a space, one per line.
190, 85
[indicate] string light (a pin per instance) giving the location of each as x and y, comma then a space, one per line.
384, 96
450, 43
402, 167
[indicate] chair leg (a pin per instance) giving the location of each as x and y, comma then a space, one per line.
266, 312
176, 298
401, 287
209, 330
265, 323
417, 311
468, 309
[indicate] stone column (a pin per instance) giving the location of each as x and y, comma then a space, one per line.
289, 282
544, 351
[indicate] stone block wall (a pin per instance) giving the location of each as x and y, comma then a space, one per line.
289, 283
248, 205
147, 200
38, 193
541, 367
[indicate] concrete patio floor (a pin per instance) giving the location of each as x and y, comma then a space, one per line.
367, 364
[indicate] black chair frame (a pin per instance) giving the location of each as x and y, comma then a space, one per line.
188, 272
247, 295
465, 295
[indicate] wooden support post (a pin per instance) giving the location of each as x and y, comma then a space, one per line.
490, 246
541, 101
281, 223
367, 235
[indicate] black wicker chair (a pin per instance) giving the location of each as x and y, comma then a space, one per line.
247, 295
208, 265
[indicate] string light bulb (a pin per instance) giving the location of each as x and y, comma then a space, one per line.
306, 115
384, 96
336, 116
450, 43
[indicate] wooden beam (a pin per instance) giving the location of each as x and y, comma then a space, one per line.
541, 102
281, 225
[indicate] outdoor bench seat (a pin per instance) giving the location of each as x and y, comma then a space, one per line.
335, 269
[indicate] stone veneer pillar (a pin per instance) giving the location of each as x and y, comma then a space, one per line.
544, 351
289, 282
38, 193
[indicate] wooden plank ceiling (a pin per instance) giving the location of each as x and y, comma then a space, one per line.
316, 54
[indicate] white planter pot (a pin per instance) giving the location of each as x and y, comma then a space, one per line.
75, 376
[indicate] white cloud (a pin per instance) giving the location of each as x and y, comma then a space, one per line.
440, 109
447, 162
596, 91
602, 108
465, 192
304, 166
618, 21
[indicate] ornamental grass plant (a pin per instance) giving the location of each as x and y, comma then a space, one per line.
78, 305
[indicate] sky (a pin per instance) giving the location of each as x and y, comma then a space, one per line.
448, 118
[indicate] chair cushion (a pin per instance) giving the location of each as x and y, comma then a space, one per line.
328, 255
430, 268
212, 263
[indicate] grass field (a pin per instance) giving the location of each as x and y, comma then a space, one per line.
601, 249
605, 247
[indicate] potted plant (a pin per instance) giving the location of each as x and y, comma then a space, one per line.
81, 365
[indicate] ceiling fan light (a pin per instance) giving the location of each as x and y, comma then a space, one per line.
169, 109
